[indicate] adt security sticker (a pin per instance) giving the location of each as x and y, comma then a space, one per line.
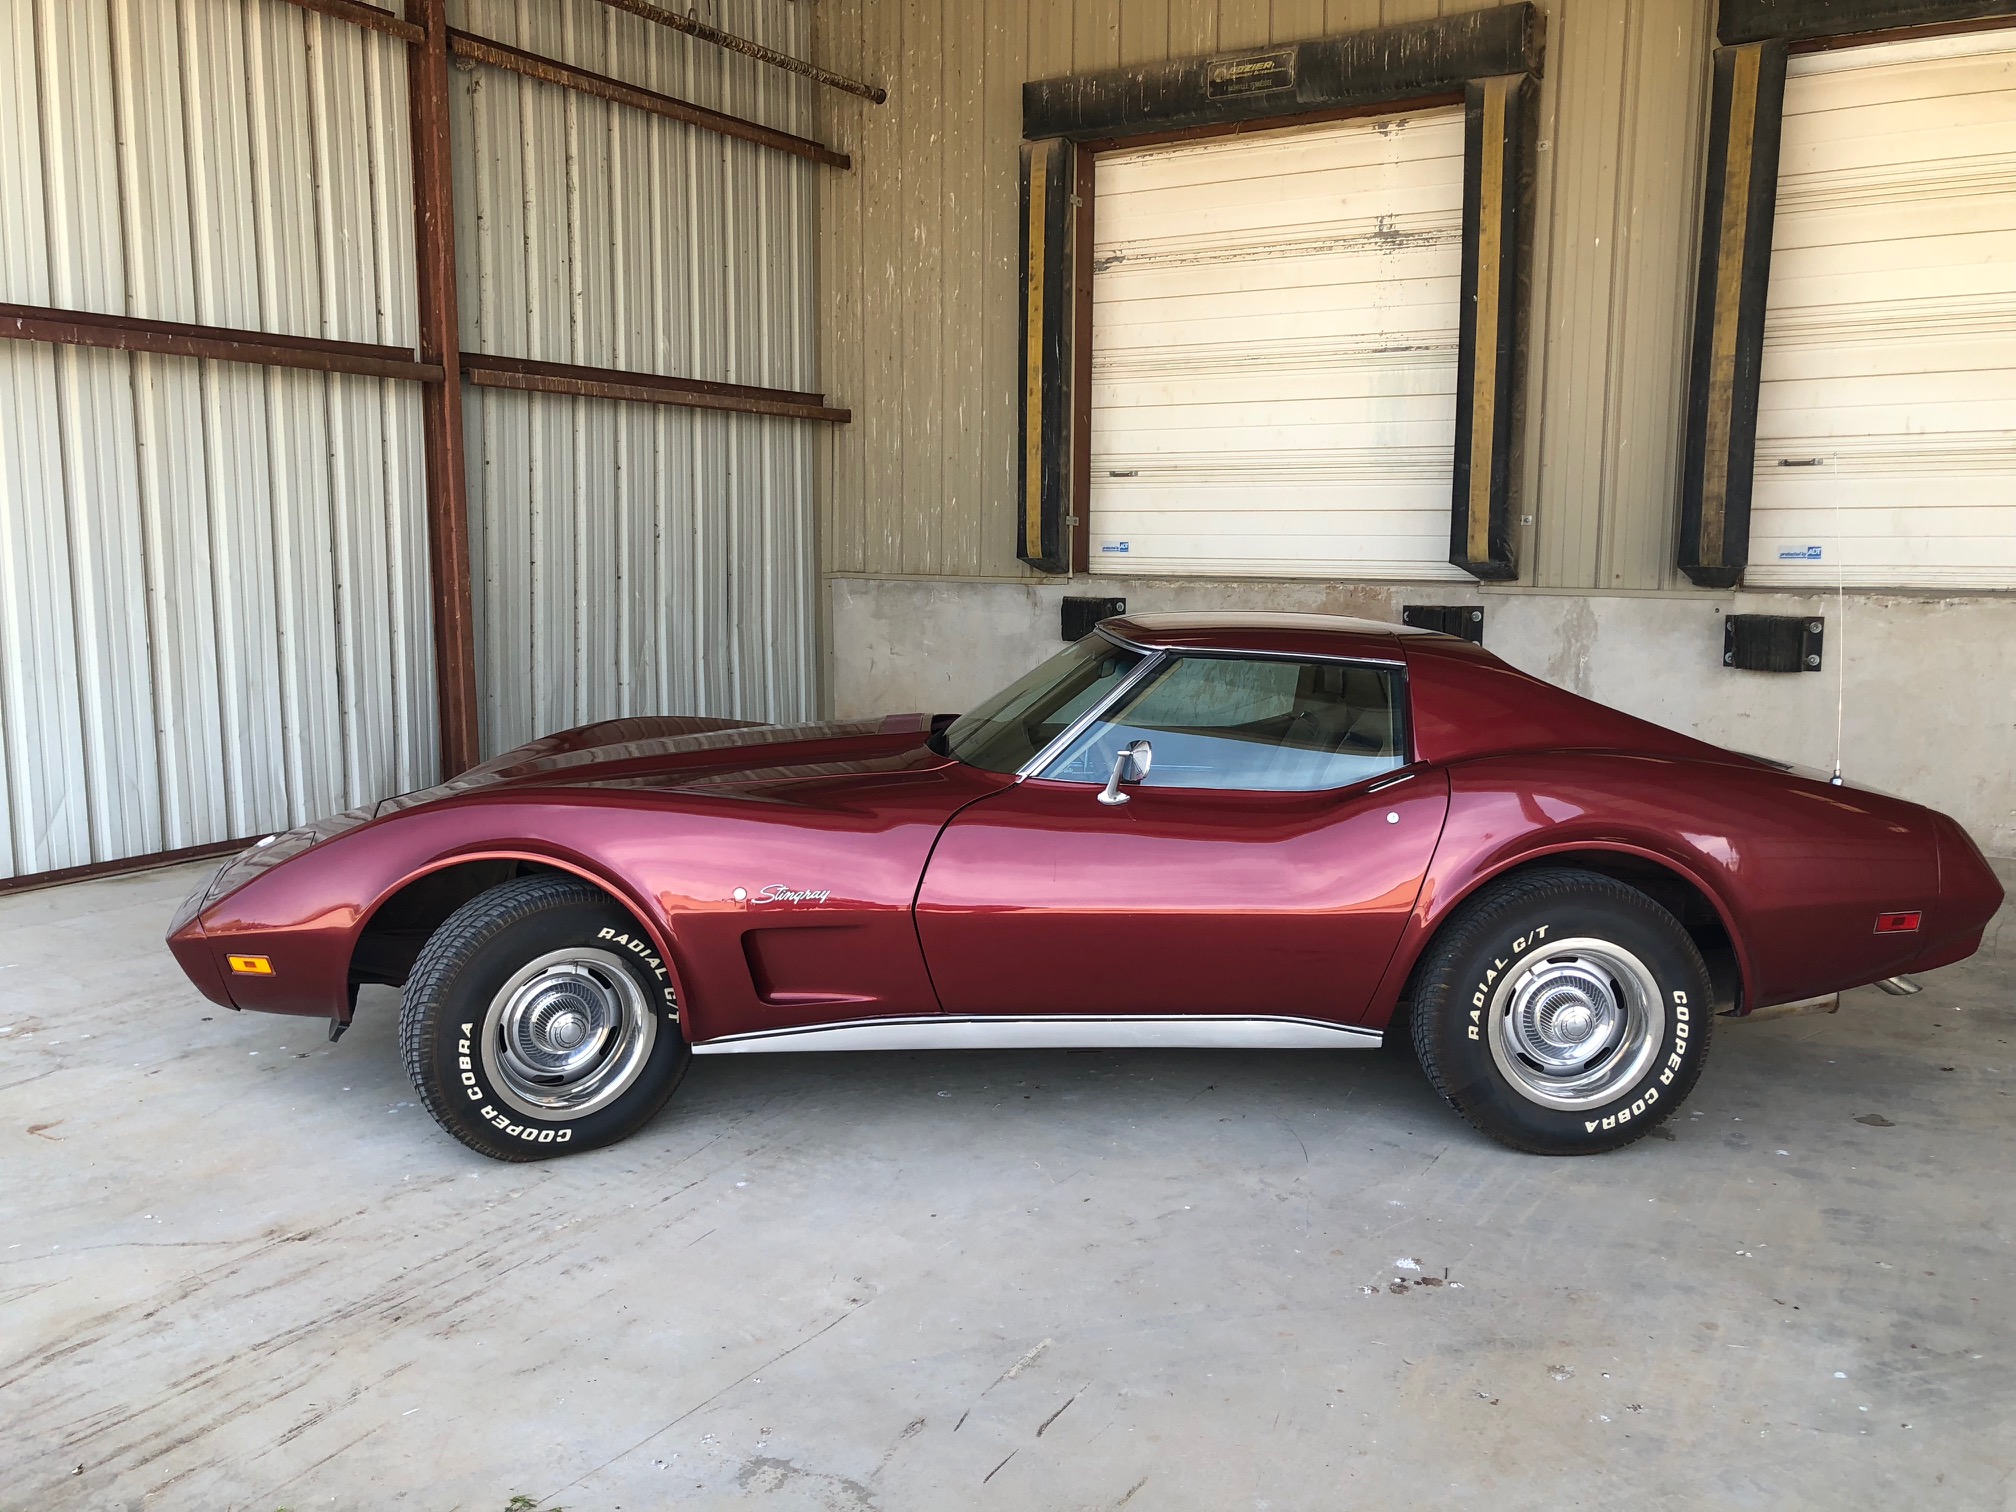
1800, 554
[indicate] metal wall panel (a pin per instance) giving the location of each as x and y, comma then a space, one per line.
920, 257
213, 577
631, 558
1622, 133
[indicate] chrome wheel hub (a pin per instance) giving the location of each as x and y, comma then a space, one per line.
567, 1034
1576, 1023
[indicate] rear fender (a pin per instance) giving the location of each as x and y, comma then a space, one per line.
1514, 812
1797, 869
1448, 887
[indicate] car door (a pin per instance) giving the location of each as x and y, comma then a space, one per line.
1264, 864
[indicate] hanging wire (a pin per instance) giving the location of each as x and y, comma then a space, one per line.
1840, 638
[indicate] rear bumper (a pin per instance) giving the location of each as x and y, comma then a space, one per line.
1970, 894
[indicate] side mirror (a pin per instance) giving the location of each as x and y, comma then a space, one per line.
1131, 765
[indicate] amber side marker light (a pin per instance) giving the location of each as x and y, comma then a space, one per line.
250, 965
1897, 923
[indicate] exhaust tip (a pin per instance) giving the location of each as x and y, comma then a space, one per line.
1901, 986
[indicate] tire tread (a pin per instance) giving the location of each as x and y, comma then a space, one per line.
1475, 917
446, 954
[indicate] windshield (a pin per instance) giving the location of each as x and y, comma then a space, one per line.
1004, 732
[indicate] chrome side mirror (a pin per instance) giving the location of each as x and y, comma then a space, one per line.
1131, 765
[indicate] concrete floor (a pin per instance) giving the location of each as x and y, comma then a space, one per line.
240, 1268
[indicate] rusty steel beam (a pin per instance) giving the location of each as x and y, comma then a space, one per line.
728, 40
371, 16
645, 388
441, 403
169, 338
29, 881
551, 71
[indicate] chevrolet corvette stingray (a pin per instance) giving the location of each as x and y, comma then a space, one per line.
1221, 832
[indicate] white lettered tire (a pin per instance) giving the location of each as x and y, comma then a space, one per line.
539, 1020
1563, 1013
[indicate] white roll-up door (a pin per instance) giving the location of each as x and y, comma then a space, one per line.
1274, 351
1886, 429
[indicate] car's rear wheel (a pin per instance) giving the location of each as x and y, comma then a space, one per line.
540, 1020
1563, 1012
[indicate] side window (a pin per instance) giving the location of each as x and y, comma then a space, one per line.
1259, 724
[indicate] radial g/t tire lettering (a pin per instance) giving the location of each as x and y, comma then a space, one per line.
1563, 1013
539, 1020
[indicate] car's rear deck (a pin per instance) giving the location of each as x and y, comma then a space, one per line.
235, 1258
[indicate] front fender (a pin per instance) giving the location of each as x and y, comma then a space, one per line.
772, 904
304, 915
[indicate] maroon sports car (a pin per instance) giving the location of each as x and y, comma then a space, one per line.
1225, 832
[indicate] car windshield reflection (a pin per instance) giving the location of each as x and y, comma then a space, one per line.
1005, 733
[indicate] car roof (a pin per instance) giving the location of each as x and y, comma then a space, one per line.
1278, 634
1465, 702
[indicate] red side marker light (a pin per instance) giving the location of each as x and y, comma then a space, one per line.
1897, 923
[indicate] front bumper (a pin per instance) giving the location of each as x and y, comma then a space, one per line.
195, 952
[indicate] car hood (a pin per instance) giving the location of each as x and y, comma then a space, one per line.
674, 752
724, 757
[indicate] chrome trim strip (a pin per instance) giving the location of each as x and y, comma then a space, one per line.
1245, 655
1055, 1031
1828, 1002
1049, 753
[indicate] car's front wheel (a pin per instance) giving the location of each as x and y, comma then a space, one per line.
539, 1020
1563, 1012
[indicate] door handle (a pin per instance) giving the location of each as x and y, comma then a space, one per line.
1130, 765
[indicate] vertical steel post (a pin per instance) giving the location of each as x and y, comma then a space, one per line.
441, 402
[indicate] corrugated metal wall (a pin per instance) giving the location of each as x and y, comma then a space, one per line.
630, 558
213, 577
920, 247
214, 604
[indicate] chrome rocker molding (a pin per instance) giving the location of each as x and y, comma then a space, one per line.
1054, 1031
1827, 1002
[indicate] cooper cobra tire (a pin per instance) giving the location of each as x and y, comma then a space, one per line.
539, 1020
1563, 1013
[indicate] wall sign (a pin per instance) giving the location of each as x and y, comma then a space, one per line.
1250, 74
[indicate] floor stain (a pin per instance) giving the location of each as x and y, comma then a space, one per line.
768, 1475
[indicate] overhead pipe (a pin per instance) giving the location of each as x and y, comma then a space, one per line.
873, 93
